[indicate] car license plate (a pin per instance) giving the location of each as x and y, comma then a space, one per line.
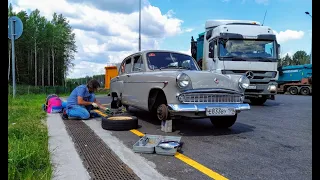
252, 87
220, 111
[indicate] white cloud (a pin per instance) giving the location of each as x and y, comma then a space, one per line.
85, 68
287, 35
110, 33
189, 30
290, 53
187, 51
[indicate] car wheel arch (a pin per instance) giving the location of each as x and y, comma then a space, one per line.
154, 93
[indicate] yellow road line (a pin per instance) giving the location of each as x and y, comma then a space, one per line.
199, 167
183, 158
136, 132
100, 113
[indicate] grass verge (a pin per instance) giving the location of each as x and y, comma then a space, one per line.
28, 153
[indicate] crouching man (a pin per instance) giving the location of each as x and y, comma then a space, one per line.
82, 100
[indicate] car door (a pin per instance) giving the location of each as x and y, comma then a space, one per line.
138, 85
117, 83
126, 72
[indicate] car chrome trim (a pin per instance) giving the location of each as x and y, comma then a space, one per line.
212, 90
202, 107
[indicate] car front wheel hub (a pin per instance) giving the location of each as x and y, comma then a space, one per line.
162, 112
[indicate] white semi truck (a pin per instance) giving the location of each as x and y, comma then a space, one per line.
241, 47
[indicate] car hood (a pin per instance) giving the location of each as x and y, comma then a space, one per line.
202, 79
207, 79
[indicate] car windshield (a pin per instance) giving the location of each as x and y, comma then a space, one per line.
263, 50
169, 60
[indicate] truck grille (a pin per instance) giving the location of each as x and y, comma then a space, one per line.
210, 98
260, 77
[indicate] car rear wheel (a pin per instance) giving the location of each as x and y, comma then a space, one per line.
223, 121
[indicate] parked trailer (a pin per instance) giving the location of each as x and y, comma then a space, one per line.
295, 79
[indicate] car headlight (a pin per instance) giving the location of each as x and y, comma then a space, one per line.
183, 80
244, 82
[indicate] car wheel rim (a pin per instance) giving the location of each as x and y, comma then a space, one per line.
162, 112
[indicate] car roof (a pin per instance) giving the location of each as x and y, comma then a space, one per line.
156, 50
153, 50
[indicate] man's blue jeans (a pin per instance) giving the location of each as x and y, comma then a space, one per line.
80, 111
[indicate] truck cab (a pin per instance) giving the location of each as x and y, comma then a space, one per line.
241, 47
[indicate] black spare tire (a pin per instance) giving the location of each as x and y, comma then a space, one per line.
120, 122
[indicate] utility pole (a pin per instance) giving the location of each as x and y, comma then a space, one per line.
307, 13
139, 25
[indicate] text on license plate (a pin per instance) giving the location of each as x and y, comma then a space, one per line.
252, 87
220, 111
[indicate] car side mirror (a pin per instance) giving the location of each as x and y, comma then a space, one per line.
279, 50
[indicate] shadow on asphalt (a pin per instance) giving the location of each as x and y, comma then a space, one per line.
144, 115
194, 127
268, 103
203, 127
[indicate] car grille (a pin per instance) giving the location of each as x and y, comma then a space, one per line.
210, 98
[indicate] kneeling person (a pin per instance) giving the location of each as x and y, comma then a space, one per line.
82, 100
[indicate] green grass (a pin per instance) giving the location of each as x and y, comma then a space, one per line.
28, 154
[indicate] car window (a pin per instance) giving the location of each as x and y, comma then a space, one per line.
166, 60
125, 66
121, 69
128, 66
137, 63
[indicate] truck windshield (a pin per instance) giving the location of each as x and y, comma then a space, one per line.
169, 60
260, 50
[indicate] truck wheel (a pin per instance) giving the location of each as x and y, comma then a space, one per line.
305, 91
258, 101
293, 90
119, 122
223, 121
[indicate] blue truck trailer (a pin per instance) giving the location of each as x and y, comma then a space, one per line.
296, 79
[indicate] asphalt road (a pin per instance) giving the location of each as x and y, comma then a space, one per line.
273, 141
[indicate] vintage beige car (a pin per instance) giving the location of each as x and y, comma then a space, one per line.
171, 85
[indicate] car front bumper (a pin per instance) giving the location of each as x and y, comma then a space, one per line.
199, 109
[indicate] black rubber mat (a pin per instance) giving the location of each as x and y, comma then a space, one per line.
99, 160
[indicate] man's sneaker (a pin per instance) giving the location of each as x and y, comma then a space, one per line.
64, 115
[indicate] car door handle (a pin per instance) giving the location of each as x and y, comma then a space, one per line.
117, 77
128, 75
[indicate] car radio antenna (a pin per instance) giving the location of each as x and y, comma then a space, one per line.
264, 17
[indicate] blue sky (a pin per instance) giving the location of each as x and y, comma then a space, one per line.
107, 30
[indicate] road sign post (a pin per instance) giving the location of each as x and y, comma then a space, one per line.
15, 29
